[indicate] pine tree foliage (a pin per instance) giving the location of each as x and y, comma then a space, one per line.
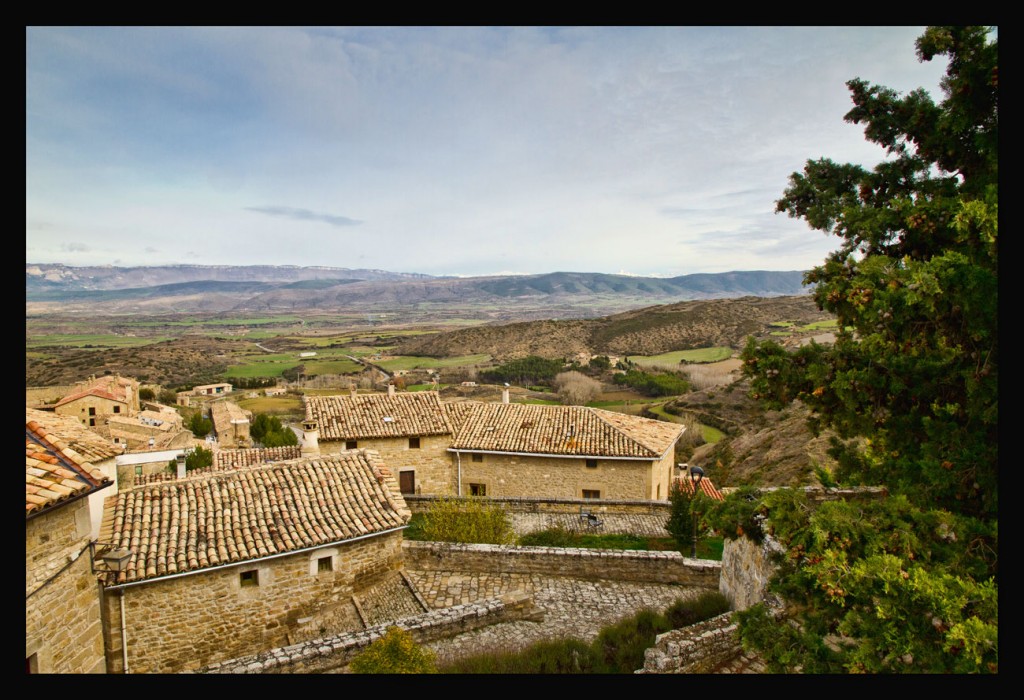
910, 386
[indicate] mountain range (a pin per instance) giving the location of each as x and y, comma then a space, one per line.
273, 288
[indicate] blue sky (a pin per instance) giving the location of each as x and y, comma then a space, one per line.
443, 150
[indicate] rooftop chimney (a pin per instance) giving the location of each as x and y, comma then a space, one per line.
180, 459
504, 395
391, 389
310, 435
352, 390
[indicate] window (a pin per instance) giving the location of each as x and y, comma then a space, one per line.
351, 444
117, 409
591, 494
591, 464
92, 422
414, 443
477, 457
325, 564
249, 578
407, 481
92, 410
478, 489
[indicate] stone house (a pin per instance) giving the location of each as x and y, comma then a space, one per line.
235, 562
91, 402
500, 449
63, 628
410, 430
536, 451
148, 430
100, 453
231, 424
211, 389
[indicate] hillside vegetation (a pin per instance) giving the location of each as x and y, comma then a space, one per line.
649, 331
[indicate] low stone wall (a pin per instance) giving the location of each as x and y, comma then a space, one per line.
333, 654
699, 648
419, 504
587, 564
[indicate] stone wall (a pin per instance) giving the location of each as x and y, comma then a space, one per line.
79, 409
592, 564
36, 396
505, 475
698, 648
63, 630
430, 461
570, 506
180, 623
332, 654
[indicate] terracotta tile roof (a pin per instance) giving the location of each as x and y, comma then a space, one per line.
54, 472
87, 443
377, 415
236, 459
244, 514
91, 392
562, 430
706, 487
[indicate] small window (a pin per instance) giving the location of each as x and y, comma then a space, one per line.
92, 410
117, 409
478, 489
591, 464
477, 457
249, 578
414, 443
351, 444
325, 564
591, 494
92, 422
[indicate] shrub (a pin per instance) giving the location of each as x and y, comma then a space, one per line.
620, 648
146, 394
684, 613
395, 652
576, 388
469, 520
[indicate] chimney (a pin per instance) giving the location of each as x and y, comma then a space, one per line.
504, 395
310, 434
391, 389
180, 459
352, 390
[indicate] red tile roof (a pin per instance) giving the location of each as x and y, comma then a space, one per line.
706, 487
562, 430
377, 415
54, 472
234, 516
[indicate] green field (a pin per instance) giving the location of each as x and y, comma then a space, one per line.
412, 362
702, 355
339, 366
91, 340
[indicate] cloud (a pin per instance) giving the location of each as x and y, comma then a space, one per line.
75, 248
306, 215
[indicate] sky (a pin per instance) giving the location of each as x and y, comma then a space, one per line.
464, 151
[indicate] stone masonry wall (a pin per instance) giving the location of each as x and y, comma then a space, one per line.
430, 461
63, 630
593, 564
553, 477
178, 624
571, 506
697, 648
332, 654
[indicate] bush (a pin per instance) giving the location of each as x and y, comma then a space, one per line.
684, 613
168, 397
620, 648
395, 652
548, 657
146, 394
576, 389
200, 425
468, 520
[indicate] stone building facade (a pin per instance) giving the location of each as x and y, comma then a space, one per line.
63, 630
230, 562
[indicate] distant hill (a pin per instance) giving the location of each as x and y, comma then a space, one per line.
214, 288
648, 331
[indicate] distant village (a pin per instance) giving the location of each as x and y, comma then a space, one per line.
135, 563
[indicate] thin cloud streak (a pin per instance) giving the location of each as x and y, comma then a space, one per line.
305, 215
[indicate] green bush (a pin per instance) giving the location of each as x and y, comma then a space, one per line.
395, 652
468, 520
620, 648
684, 613
548, 657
